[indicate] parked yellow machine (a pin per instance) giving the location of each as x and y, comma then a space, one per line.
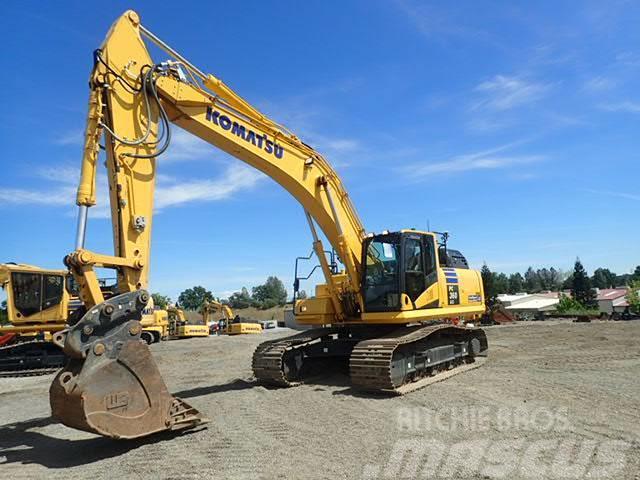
37, 307
155, 324
242, 328
233, 324
396, 310
41, 302
179, 327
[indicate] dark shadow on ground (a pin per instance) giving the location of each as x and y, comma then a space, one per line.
319, 373
54, 452
237, 384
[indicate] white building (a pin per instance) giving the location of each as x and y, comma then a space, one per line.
525, 305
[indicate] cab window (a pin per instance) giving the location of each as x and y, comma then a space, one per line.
381, 280
34, 292
414, 268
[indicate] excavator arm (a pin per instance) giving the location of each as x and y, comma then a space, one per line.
132, 102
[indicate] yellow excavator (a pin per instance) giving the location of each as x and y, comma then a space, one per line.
233, 325
41, 302
38, 305
396, 310
179, 327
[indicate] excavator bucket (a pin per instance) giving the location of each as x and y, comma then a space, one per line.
111, 385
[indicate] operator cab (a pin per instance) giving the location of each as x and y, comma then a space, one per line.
402, 262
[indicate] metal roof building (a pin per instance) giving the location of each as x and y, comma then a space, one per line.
612, 299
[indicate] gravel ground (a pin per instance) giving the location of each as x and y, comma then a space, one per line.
554, 400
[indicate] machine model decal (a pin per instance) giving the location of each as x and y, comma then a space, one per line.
475, 298
244, 133
454, 294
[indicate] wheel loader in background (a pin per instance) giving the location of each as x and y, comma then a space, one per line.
395, 309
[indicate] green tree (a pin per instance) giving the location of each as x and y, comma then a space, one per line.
516, 283
581, 286
568, 282
500, 283
603, 278
569, 305
490, 294
548, 278
3, 313
240, 299
160, 301
531, 281
269, 294
193, 298
633, 296
635, 276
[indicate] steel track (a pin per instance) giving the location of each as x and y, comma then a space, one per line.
370, 362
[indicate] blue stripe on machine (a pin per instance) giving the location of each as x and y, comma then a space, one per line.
450, 274
452, 280
449, 269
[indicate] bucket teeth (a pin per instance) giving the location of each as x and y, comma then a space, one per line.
116, 390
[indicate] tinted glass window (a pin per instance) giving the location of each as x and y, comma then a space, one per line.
381, 282
414, 275
27, 292
52, 287
34, 292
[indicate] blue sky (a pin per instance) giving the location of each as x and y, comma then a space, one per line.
513, 125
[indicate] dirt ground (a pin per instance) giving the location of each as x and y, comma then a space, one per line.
554, 400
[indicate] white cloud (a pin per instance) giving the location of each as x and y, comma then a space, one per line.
169, 191
506, 92
599, 84
437, 23
73, 137
54, 197
626, 107
608, 193
186, 147
236, 177
628, 59
341, 144
486, 160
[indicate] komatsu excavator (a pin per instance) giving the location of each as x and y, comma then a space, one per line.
233, 325
396, 311
179, 327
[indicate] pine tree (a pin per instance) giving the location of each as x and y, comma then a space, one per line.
516, 283
603, 278
487, 282
581, 286
531, 281
500, 283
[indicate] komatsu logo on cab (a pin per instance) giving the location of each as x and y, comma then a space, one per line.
248, 135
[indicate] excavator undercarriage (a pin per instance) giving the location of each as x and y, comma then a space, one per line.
381, 358
21, 357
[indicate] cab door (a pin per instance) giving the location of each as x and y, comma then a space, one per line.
420, 273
